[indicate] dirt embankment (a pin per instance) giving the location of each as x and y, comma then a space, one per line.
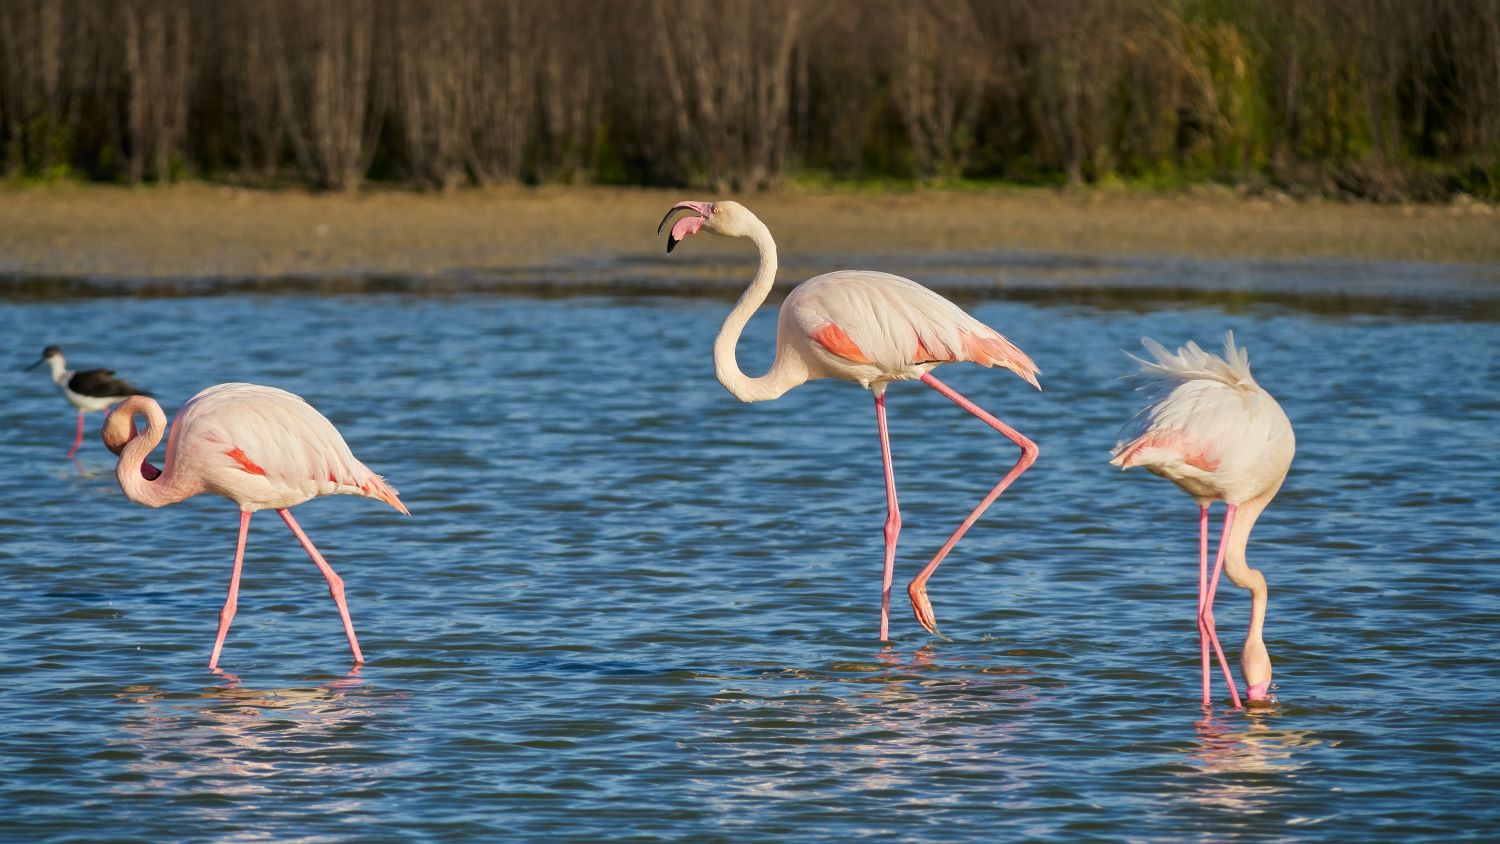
204, 230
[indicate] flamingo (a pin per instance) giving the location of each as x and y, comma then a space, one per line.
261, 448
1219, 436
85, 389
871, 328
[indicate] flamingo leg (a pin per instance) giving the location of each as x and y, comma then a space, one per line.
1206, 617
917, 589
77, 439
226, 614
1203, 598
892, 516
335, 583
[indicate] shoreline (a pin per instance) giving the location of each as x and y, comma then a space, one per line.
196, 239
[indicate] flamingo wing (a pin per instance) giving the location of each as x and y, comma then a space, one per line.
894, 323
1207, 424
263, 431
1206, 411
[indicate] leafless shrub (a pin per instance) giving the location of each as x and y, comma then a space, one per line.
726, 71
1377, 98
33, 105
329, 95
942, 68
157, 51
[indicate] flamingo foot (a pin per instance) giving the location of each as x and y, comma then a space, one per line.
922, 607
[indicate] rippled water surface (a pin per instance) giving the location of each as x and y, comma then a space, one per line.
627, 606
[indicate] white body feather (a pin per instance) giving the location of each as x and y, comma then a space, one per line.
265, 448
901, 327
1210, 429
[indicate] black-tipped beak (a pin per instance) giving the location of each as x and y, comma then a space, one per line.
664, 220
702, 209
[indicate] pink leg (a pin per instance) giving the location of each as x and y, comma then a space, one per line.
1206, 619
335, 583
892, 517
1203, 598
226, 615
917, 590
78, 439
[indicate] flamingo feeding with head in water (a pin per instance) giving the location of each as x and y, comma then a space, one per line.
871, 328
1219, 436
261, 448
86, 389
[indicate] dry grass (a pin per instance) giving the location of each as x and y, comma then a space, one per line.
203, 230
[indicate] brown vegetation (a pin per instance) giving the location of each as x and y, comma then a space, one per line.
1369, 98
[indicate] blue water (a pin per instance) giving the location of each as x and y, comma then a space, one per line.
628, 607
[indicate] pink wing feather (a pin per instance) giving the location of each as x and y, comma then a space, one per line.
1206, 412
893, 323
255, 430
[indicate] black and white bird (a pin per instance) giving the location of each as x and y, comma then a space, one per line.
86, 389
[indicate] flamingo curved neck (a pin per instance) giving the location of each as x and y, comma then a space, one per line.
784, 373
1238, 567
133, 481
1255, 662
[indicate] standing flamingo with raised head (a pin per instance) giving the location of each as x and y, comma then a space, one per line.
1219, 436
85, 389
871, 328
261, 448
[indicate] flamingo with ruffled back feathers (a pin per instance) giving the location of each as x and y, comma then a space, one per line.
1219, 436
871, 328
261, 448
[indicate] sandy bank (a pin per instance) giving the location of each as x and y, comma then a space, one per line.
203, 230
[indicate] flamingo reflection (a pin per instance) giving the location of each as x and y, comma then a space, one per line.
882, 723
1247, 744
237, 741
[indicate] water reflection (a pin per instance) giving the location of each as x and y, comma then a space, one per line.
231, 739
877, 726
1245, 762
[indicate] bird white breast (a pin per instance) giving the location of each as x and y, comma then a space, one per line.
91, 403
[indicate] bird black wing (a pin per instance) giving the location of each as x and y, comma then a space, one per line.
102, 383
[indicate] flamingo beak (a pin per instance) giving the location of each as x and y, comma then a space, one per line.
686, 225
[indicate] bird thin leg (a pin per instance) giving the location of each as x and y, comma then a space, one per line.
78, 439
335, 583
892, 516
1203, 598
226, 615
917, 590
1206, 617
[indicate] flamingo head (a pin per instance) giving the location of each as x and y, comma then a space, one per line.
119, 429
1255, 664
727, 218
